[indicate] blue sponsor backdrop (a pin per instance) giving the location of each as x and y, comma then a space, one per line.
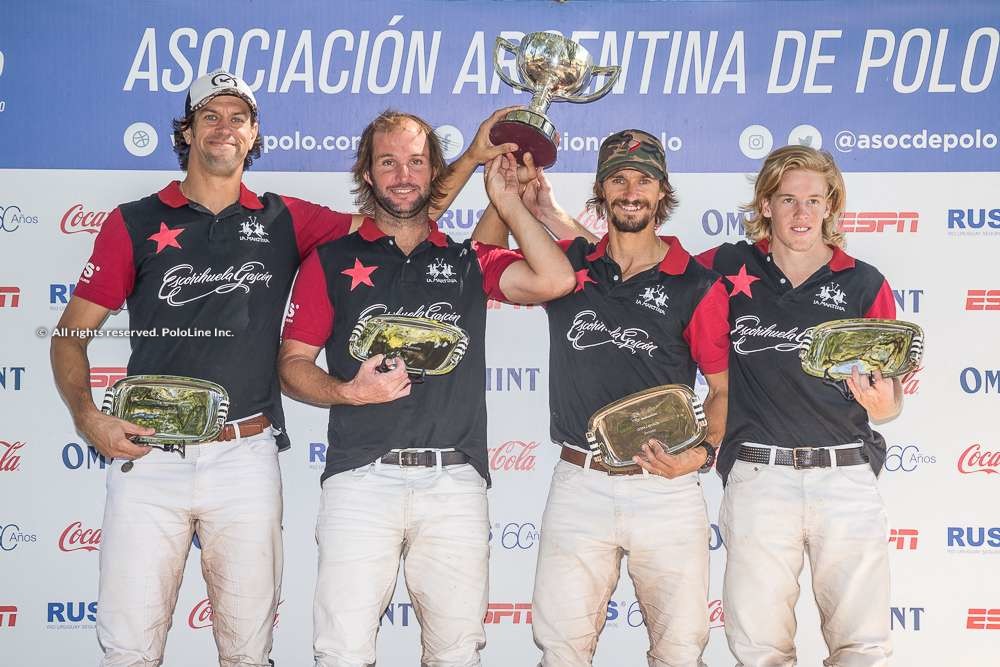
889, 86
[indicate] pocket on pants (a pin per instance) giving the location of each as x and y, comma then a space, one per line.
744, 472
860, 475
565, 472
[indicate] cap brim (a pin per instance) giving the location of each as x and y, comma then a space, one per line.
232, 92
638, 166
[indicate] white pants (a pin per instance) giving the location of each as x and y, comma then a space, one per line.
436, 520
230, 493
591, 519
773, 515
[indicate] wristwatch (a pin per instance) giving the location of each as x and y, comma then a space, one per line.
710, 461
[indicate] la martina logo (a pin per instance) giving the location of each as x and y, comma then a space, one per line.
441, 272
588, 331
831, 296
654, 298
252, 230
749, 336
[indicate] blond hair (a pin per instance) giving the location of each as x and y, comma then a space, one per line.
776, 165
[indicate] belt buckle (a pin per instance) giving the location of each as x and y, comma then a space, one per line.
409, 457
795, 455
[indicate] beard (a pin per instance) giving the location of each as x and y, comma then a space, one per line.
631, 223
384, 201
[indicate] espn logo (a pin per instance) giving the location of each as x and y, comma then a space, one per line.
106, 376
904, 538
10, 296
8, 616
879, 221
982, 299
983, 619
497, 611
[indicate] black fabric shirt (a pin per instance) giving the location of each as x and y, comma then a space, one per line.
771, 399
364, 274
609, 339
184, 269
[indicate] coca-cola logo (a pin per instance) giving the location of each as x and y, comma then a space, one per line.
592, 222
10, 460
910, 381
513, 455
77, 220
77, 538
201, 615
975, 459
716, 614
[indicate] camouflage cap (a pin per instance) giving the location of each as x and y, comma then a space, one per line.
632, 149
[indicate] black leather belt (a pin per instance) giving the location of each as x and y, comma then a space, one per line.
803, 457
426, 458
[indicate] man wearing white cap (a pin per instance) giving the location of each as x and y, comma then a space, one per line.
204, 253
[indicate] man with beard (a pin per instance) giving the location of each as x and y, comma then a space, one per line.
207, 253
643, 314
406, 470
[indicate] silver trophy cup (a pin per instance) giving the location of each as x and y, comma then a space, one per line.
553, 69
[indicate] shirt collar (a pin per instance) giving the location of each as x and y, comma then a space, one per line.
674, 262
370, 232
174, 198
840, 261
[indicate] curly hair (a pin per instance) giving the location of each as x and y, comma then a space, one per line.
768, 180
183, 149
387, 121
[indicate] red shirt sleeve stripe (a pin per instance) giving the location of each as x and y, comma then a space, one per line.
310, 314
493, 261
109, 276
884, 306
707, 334
314, 225
707, 258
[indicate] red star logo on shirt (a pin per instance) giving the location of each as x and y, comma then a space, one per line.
166, 237
741, 282
582, 278
360, 274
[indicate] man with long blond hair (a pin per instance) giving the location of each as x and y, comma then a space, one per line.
406, 470
799, 461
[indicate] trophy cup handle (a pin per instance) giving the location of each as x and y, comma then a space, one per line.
505, 45
612, 72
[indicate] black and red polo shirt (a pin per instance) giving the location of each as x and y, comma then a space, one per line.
187, 270
365, 274
771, 399
610, 338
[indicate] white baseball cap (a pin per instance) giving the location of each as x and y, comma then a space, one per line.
213, 84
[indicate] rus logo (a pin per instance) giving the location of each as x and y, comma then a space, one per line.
973, 536
973, 218
975, 459
77, 538
71, 612
513, 456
